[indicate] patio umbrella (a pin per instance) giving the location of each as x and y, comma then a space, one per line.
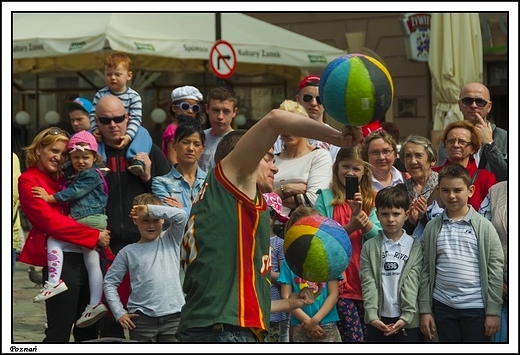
174, 42
455, 59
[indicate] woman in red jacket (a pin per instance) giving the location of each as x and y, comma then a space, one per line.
461, 139
44, 159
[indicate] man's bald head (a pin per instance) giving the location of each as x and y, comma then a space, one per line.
475, 88
471, 111
111, 119
108, 104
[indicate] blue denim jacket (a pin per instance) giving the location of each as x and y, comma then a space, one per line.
85, 194
173, 184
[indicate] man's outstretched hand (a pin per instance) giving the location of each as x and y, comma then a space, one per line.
350, 136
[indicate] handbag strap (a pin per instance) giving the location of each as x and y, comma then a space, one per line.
475, 176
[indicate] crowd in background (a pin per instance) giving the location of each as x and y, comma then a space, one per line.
130, 236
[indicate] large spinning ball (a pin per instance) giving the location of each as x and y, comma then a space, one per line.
356, 89
317, 248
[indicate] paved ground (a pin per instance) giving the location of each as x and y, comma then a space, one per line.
28, 317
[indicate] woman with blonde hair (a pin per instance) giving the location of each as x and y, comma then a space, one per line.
358, 217
303, 169
44, 159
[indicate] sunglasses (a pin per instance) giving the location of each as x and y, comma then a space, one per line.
55, 131
468, 101
272, 213
107, 120
186, 106
309, 97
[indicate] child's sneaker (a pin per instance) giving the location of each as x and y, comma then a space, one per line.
91, 315
49, 291
137, 168
104, 171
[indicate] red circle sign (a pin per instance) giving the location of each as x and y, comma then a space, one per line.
223, 59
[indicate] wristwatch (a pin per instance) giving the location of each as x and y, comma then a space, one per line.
489, 146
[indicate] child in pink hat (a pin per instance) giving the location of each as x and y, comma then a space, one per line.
279, 322
86, 195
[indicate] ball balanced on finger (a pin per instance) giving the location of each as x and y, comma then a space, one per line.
356, 89
317, 248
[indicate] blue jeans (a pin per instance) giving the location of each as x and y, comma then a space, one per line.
459, 325
218, 333
501, 336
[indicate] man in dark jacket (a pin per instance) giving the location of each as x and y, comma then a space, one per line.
122, 185
475, 105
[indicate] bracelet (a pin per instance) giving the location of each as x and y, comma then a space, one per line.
282, 191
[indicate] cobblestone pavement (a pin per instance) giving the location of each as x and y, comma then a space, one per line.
28, 318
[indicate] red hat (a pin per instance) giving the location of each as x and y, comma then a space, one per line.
308, 79
371, 127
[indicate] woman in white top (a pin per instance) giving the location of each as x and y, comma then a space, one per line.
303, 169
380, 151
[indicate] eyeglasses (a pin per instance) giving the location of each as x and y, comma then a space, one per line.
468, 101
309, 97
377, 153
107, 120
462, 143
186, 106
55, 131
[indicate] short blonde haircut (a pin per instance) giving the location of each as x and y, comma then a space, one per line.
294, 107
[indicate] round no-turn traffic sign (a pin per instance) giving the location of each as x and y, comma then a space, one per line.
223, 59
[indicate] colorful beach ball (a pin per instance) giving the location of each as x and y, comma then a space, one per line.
317, 248
356, 89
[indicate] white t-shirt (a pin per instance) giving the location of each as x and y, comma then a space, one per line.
314, 169
395, 255
207, 158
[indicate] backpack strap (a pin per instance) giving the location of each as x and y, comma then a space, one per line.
105, 185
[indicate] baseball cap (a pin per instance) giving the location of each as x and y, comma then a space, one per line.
186, 92
85, 137
275, 202
308, 79
78, 103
